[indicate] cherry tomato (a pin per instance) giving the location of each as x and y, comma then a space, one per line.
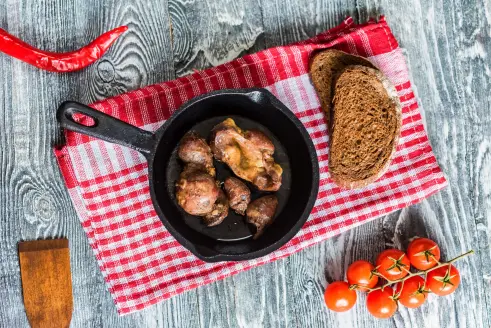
443, 281
360, 274
381, 303
413, 292
393, 264
339, 297
423, 253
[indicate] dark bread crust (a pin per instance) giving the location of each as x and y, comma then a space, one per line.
365, 127
324, 68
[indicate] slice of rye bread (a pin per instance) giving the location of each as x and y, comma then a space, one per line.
325, 66
365, 127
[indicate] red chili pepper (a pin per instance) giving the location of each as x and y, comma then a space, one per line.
59, 62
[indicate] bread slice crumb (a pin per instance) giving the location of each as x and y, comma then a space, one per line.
365, 127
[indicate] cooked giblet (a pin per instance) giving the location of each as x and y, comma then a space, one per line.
248, 153
219, 211
260, 212
196, 190
238, 194
194, 149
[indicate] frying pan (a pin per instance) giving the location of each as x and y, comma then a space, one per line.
250, 108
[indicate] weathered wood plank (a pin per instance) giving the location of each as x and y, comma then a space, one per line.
144, 57
34, 202
395, 230
308, 271
209, 33
290, 21
33, 199
260, 296
444, 46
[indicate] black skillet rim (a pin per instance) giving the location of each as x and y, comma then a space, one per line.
308, 206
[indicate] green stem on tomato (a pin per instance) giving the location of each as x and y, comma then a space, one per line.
419, 273
434, 258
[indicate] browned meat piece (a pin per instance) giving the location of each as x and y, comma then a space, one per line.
194, 149
248, 153
196, 190
238, 194
260, 212
219, 212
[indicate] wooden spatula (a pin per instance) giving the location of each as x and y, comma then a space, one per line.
46, 282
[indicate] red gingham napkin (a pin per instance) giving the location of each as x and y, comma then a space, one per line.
141, 262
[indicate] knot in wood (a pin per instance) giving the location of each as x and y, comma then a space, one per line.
106, 71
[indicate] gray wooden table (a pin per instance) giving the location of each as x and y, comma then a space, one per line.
448, 48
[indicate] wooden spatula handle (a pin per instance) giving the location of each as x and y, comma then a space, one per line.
46, 282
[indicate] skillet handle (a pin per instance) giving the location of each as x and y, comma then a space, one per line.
105, 127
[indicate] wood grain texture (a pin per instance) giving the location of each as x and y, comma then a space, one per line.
447, 46
290, 20
210, 33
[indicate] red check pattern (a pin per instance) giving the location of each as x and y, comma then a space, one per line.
141, 262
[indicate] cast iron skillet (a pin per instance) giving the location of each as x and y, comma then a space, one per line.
250, 108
